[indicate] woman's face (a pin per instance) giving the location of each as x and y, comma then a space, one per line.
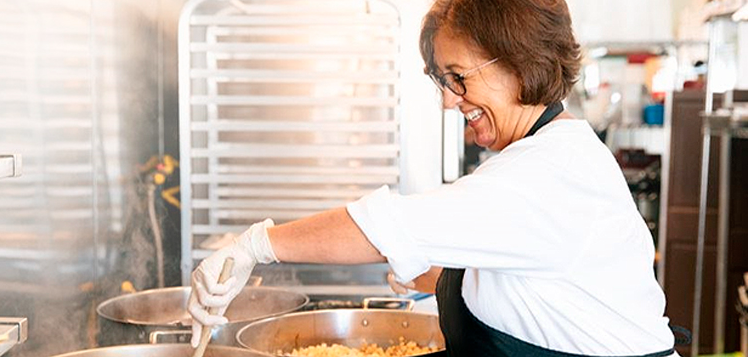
491, 97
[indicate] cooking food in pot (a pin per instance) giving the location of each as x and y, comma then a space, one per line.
344, 327
544, 252
401, 349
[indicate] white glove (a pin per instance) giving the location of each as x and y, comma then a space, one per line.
248, 249
397, 287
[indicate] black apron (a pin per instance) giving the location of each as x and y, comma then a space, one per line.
464, 334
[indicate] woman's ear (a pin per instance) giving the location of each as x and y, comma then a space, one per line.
520, 85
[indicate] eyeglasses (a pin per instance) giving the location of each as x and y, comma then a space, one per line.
455, 82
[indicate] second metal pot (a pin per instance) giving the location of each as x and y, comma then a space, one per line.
133, 318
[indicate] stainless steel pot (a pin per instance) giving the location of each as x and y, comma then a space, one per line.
350, 327
165, 350
133, 318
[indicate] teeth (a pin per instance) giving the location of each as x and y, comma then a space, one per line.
473, 114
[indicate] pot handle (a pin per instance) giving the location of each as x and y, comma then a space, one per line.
153, 338
408, 303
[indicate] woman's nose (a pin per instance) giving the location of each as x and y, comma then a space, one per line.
449, 99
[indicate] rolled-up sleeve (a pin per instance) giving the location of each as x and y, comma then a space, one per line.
376, 215
517, 220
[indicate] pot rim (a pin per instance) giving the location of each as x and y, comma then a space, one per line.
157, 346
156, 291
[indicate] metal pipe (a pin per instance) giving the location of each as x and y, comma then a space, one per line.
296, 126
708, 107
722, 241
264, 20
157, 237
664, 189
185, 144
700, 241
709, 104
161, 75
277, 100
295, 179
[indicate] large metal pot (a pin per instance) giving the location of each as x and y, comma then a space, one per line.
133, 318
165, 350
350, 327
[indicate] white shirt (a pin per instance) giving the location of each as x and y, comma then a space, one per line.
555, 251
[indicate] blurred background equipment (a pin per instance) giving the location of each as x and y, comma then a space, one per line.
728, 122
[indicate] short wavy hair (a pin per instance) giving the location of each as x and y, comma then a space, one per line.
533, 39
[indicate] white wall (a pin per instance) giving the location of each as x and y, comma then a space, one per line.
421, 115
629, 20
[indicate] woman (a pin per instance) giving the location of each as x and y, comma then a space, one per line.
544, 251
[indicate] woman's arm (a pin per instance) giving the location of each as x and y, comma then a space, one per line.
330, 237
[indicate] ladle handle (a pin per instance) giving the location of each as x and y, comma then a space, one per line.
228, 265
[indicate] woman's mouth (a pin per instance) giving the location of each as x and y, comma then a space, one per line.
473, 115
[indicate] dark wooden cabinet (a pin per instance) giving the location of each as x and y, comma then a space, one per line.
682, 224
738, 236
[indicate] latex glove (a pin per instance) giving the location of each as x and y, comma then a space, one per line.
248, 249
398, 287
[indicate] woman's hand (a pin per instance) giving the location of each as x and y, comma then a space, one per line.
248, 249
399, 288
425, 283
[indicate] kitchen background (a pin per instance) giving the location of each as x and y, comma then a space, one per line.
92, 96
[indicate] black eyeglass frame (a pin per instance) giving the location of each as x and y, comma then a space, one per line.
455, 82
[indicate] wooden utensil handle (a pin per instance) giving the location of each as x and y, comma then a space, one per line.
228, 265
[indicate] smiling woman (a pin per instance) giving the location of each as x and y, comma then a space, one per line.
540, 251
536, 61
531, 39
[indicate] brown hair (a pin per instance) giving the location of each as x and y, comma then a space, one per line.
533, 39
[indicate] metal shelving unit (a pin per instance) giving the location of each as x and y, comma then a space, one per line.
287, 108
727, 123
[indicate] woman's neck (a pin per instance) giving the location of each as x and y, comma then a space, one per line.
528, 116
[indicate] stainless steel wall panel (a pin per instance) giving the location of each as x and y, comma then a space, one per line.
46, 238
76, 78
